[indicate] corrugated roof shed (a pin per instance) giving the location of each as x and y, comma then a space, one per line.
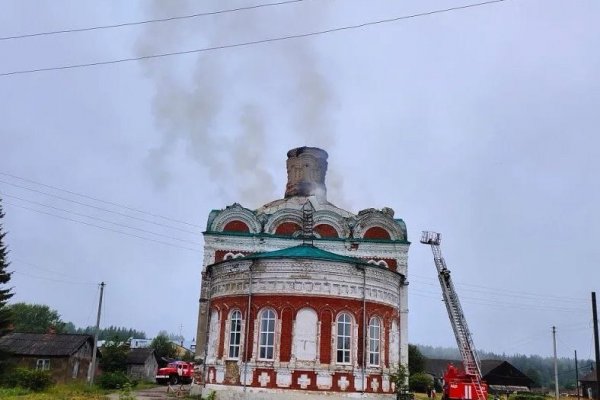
43, 344
139, 355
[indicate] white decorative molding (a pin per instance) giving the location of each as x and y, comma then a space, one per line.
236, 212
246, 375
283, 378
337, 221
313, 277
385, 383
304, 381
264, 379
370, 218
324, 381
282, 216
360, 380
343, 383
220, 373
375, 384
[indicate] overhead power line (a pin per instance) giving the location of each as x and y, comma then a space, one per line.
100, 219
98, 208
149, 21
102, 227
488, 302
53, 279
100, 200
250, 43
501, 291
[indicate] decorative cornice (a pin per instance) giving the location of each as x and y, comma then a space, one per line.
304, 277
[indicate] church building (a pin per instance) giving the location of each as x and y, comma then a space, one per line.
302, 298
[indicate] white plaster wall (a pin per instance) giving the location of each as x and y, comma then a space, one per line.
238, 393
394, 344
213, 337
304, 347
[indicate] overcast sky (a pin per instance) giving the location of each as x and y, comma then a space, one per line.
480, 123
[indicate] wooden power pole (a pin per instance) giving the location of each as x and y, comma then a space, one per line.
595, 315
92, 370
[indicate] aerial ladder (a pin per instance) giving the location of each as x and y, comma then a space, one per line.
467, 384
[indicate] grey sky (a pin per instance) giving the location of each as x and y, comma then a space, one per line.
480, 124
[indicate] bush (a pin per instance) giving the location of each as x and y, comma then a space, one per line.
528, 396
28, 379
113, 380
420, 382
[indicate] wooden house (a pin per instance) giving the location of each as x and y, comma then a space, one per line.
501, 376
66, 356
142, 364
588, 385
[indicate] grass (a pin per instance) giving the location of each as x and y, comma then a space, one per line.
76, 391
71, 391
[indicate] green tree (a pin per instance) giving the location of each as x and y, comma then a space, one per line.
163, 346
399, 377
35, 318
420, 382
5, 291
112, 331
416, 360
114, 356
535, 376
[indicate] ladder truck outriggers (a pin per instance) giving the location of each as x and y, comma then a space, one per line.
466, 384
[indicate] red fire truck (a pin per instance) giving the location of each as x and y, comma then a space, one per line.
463, 384
175, 372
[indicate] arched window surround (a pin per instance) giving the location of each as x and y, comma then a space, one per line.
344, 327
235, 334
267, 321
375, 342
231, 256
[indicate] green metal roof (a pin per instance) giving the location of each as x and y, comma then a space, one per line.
306, 251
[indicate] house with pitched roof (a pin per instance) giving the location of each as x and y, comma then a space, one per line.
501, 376
67, 356
142, 364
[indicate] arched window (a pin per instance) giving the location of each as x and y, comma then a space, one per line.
376, 232
235, 334
374, 340
236, 226
266, 343
344, 338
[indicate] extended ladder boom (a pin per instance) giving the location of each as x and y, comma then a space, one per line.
455, 312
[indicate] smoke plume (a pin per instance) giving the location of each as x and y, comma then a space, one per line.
228, 108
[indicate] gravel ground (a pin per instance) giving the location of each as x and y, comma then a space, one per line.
156, 393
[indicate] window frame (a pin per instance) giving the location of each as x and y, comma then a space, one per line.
349, 322
268, 314
374, 340
44, 365
235, 315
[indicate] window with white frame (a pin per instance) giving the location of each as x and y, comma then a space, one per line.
374, 340
344, 338
266, 343
235, 334
42, 364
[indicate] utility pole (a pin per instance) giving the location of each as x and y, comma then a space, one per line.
92, 370
555, 364
576, 375
595, 315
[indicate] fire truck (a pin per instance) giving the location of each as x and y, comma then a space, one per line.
176, 372
465, 384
